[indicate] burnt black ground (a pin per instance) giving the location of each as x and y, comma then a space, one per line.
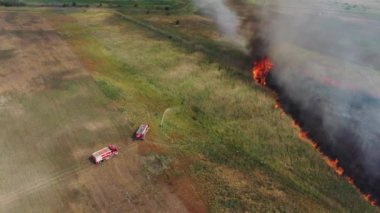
336, 136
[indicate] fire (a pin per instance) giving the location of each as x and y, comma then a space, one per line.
368, 198
335, 165
350, 180
303, 135
261, 70
278, 106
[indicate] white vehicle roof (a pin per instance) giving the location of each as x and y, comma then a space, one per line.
142, 128
98, 154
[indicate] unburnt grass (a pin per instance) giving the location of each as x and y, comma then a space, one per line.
228, 125
55, 115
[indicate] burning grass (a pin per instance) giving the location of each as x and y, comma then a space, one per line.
261, 72
221, 121
261, 69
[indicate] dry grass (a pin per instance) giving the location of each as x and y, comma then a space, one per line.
54, 116
212, 109
51, 130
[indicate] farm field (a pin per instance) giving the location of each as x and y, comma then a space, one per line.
54, 116
73, 81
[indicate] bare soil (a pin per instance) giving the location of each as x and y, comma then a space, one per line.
53, 117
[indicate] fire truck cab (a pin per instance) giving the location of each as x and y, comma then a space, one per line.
141, 132
104, 154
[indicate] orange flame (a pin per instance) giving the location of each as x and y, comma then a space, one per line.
350, 180
335, 165
261, 70
368, 198
303, 135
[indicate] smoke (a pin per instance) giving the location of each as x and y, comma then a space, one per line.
327, 73
328, 76
226, 19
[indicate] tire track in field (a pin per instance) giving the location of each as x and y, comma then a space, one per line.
41, 184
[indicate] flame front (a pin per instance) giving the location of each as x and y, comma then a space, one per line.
261, 70
303, 135
368, 198
335, 165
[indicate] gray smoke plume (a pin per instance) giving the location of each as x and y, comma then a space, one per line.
327, 72
328, 69
335, 47
226, 19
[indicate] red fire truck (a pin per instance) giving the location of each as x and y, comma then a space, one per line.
104, 154
141, 132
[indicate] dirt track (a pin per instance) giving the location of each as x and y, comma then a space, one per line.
54, 117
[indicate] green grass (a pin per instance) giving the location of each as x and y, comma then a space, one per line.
109, 90
224, 123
